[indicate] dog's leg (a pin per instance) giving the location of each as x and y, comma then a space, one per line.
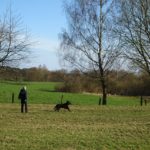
68, 109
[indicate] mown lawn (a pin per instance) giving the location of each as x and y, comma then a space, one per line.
89, 127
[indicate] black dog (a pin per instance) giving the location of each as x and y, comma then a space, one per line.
64, 105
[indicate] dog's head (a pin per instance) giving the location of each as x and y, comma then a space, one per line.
68, 102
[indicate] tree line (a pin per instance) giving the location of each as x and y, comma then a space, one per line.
119, 82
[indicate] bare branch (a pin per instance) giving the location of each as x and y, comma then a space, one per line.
14, 40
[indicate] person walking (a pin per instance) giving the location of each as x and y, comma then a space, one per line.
23, 97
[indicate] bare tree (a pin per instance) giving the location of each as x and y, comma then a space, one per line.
14, 40
133, 29
88, 44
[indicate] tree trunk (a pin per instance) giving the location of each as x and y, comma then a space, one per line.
104, 96
101, 69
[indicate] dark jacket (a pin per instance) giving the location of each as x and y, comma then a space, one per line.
22, 95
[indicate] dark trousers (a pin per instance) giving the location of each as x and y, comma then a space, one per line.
24, 105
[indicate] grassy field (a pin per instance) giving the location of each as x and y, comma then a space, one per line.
84, 128
43, 93
122, 125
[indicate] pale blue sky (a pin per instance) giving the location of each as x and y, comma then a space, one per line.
45, 20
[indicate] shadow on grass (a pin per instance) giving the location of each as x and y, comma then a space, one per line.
50, 90
14, 83
47, 90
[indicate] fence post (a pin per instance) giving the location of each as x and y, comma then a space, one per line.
141, 101
61, 98
13, 96
99, 101
145, 101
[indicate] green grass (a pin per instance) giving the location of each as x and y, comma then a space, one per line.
43, 93
84, 128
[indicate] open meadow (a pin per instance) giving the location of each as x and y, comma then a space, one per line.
122, 125
44, 93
